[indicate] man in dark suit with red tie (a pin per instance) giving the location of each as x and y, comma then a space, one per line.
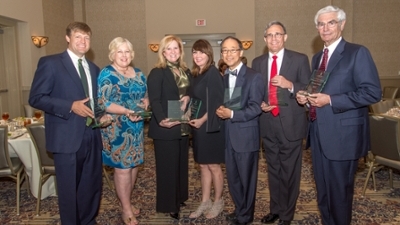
60, 89
241, 130
339, 124
283, 122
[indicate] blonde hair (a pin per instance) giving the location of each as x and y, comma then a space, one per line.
165, 42
114, 45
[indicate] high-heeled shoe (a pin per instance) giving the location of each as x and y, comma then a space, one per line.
215, 210
203, 208
174, 215
130, 220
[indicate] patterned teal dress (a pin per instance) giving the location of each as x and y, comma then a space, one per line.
123, 139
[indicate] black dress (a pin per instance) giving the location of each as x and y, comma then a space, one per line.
209, 139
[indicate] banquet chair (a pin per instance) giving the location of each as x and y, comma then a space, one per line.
385, 147
45, 158
28, 110
389, 92
11, 167
382, 106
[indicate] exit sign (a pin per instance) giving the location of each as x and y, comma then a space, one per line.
201, 22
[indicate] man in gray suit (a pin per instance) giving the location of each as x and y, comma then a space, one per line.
283, 122
241, 130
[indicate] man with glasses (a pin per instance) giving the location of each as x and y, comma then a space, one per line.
244, 93
339, 126
283, 122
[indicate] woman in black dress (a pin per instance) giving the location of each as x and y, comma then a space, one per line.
208, 135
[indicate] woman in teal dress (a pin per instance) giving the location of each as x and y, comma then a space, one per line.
123, 90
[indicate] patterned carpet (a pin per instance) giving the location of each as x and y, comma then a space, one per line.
380, 207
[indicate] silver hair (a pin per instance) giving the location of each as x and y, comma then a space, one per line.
341, 15
275, 22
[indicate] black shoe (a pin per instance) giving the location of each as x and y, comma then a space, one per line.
231, 217
174, 215
182, 204
270, 218
236, 222
284, 222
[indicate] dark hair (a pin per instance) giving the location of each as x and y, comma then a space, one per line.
78, 26
205, 47
221, 65
233, 38
244, 60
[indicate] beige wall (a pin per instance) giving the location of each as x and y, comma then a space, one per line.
144, 22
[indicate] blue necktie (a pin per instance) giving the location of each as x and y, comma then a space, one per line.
231, 72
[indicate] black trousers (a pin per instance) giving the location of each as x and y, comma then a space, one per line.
172, 173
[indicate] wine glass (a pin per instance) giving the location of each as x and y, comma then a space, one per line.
5, 116
38, 114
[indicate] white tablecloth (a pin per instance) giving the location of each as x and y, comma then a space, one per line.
23, 147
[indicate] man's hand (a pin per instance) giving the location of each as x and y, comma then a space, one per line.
280, 81
267, 108
223, 112
319, 99
80, 108
301, 97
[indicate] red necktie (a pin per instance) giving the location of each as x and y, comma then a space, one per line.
273, 94
313, 111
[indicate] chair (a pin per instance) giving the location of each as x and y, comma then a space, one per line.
45, 158
28, 110
10, 167
385, 146
389, 92
382, 106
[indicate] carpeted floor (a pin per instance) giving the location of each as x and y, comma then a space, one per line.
380, 207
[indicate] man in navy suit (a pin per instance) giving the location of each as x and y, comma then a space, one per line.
242, 130
282, 132
58, 91
339, 127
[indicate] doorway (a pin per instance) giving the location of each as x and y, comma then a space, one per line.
214, 39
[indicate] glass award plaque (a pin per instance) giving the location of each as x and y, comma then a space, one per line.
232, 101
317, 82
194, 108
280, 96
139, 110
99, 110
175, 113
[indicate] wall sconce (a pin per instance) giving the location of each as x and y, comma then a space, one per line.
154, 47
247, 44
40, 41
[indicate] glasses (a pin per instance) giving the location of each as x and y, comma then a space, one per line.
232, 51
276, 35
329, 24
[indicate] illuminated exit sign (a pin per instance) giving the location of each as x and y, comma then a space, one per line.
201, 22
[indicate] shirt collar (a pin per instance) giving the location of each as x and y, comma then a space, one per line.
279, 54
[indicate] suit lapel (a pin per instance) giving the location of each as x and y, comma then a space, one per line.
336, 56
169, 77
69, 66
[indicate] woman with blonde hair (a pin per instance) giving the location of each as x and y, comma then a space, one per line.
169, 80
122, 89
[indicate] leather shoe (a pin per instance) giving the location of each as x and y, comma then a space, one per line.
236, 222
174, 215
284, 222
231, 217
270, 218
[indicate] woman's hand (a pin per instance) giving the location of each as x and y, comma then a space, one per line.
131, 116
168, 124
146, 103
184, 101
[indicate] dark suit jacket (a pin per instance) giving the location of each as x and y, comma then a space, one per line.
353, 84
295, 68
55, 87
161, 88
242, 130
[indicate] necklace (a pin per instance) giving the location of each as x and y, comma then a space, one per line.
121, 70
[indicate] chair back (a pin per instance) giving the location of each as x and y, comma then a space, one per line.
390, 92
383, 106
5, 161
385, 137
37, 133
